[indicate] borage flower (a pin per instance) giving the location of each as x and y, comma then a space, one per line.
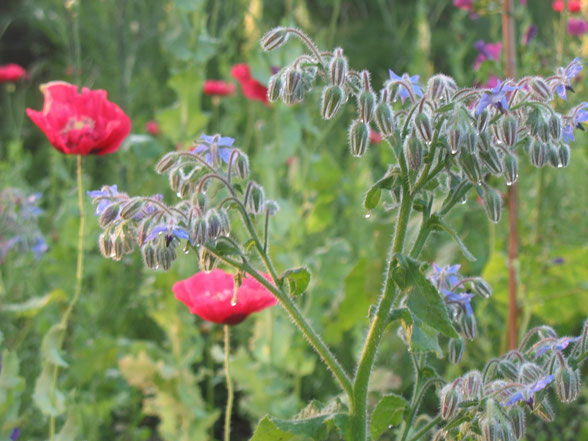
564, 77
212, 296
80, 123
11, 73
218, 88
558, 344
496, 97
406, 79
529, 34
171, 232
217, 145
527, 393
252, 89
579, 116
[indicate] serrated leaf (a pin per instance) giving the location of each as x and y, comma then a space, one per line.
442, 225
70, 429
388, 412
50, 402
372, 198
51, 345
298, 280
424, 301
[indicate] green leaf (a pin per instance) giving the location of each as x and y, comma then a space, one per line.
388, 412
273, 429
421, 338
440, 224
49, 401
423, 301
372, 198
225, 247
70, 429
298, 280
33, 306
51, 345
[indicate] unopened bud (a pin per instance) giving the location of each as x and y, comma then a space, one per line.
544, 410
366, 103
413, 149
482, 287
436, 87
186, 188
149, 256
555, 129
165, 257
338, 68
332, 100
470, 166
225, 222
567, 382
553, 155
292, 85
455, 350
484, 142
424, 127
131, 208
563, 154
469, 326
105, 244
109, 214
127, 242
530, 373
517, 419
384, 117
166, 163
255, 198
450, 399
274, 39
454, 139
511, 168
274, 88
508, 131
200, 201
492, 204
208, 261
359, 138
214, 221
472, 385
543, 131
508, 369
538, 153
271, 207
200, 230
540, 89
470, 141
174, 180
242, 165
117, 248
482, 121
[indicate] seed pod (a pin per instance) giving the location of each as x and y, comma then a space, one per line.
255, 198
470, 141
530, 373
555, 129
109, 214
482, 287
454, 139
332, 99
215, 225
511, 168
540, 89
470, 166
508, 131
492, 204
274, 39
105, 244
359, 137
538, 153
413, 149
274, 88
455, 350
472, 385
424, 128
166, 163
208, 262
149, 256
366, 103
450, 399
567, 382
292, 89
482, 121
338, 68
508, 369
200, 230
517, 418
563, 154
384, 117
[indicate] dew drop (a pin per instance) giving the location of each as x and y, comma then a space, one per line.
178, 194
463, 201
559, 165
186, 251
156, 267
453, 151
509, 183
234, 301
368, 215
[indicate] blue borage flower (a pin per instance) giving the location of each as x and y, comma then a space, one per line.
15, 434
496, 97
579, 115
171, 231
527, 393
446, 279
565, 75
216, 144
108, 195
552, 344
406, 78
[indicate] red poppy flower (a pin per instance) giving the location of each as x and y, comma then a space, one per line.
574, 5
80, 123
218, 87
209, 296
251, 88
558, 6
152, 127
375, 137
11, 73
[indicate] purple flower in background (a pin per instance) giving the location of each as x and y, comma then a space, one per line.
170, 232
530, 33
495, 97
565, 76
577, 26
557, 345
486, 51
558, 261
445, 278
579, 116
106, 193
527, 393
219, 145
406, 78
15, 434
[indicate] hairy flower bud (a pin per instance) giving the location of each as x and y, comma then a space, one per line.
482, 121
366, 103
105, 244
538, 153
469, 326
292, 89
543, 131
470, 141
492, 204
241, 162
274, 88
530, 373
149, 256
413, 149
482, 287
274, 39
200, 201
384, 117
492, 161
225, 222
454, 140
471, 385
484, 142
508, 131
544, 410
540, 89
175, 179
127, 242
567, 382
215, 223
424, 128
208, 261
359, 138
555, 129
338, 68
495, 425
255, 198
508, 369
186, 188
438, 86
200, 230
109, 214
517, 419
563, 154
332, 99
131, 208
553, 155
511, 168
470, 166
271, 207
166, 163
117, 248
166, 256
455, 350
450, 399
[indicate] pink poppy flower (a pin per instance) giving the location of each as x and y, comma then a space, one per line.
11, 73
252, 89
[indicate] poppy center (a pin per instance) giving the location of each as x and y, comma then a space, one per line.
76, 129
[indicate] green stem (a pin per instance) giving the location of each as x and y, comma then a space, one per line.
229, 387
540, 187
378, 325
414, 404
425, 429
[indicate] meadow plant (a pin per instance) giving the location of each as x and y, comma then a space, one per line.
447, 142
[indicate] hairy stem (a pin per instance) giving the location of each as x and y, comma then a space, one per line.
425, 429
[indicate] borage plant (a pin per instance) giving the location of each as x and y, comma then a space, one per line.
447, 142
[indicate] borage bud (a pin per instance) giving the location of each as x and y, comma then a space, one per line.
482, 287
366, 102
471, 141
215, 223
174, 180
567, 382
165, 257
255, 198
241, 165
563, 154
583, 343
470, 166
555, 127
308, 76
543, 131
208, 261
508, 131
454, 139
508, 369
200, 230
200, 201
436, 87
166, 163
149, 256
127, 242
450, 399
511, 168
105, 244
540, 89
274, 39
517, 418
225, 222
469, 326
131, 208
492, 161
274, 88
552, 155
530, 373
338, 68
291, 91
271, 207
484, 142
492, 204
109, 214
186, 188
482, 121
544, 410
471, 385
538, 153
455, 350
413, 149
359, 137
332, 99
117, 248
423, 127
384, 116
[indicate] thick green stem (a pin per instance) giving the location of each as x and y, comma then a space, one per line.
377, 327
229, 408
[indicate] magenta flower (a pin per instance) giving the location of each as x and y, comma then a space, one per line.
466, 5
486, 51
577, 26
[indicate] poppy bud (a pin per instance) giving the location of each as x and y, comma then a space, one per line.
508, 131
292, 85
544, 410
214, 221
242, 165
471, 141
271, 207
455, 350
567, 382
109, 214
540, 89
511, 168
149, 257
472, 385
508, 369
366, 102
256, 198
384, 117
530, 373
538, 153
482, 121
469, 326
200, 230
208, 261
338, 68
482, 287
492, 204
470, 166
454, 139
563, 154
413, 149
165, 257
332, 99
274, 39
517, 418
492, 161
450, 399
555, 127
166, 163
553, 155
359, 138
274, 88
423, 127
105, 244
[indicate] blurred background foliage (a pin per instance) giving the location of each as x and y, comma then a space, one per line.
141, 367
